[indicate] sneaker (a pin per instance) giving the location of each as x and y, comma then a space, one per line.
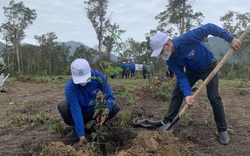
71, 134
224, 137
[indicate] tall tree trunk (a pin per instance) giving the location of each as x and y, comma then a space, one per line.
183, 18
17, 55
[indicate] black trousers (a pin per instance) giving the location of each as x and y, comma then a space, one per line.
63, 108
212, 93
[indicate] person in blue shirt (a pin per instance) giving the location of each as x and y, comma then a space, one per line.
132, 69
81, 93
123, 69
144, 70
152, 68
189, 52
113, 75
127, 70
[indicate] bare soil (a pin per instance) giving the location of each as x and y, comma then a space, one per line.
28, 110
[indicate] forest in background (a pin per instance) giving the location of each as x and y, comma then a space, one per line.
51, 58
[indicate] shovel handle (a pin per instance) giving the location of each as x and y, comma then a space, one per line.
215, 70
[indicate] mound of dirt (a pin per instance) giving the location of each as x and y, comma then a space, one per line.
60, 149
150, 143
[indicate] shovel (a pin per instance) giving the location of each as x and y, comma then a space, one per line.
206, 81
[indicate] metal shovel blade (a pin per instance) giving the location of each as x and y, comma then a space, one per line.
169, 125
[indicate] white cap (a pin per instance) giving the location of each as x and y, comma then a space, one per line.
80, 70
157, 42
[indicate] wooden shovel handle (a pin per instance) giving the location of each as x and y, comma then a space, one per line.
215, 70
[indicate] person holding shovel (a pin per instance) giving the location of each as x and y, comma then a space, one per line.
81, 93
190, 60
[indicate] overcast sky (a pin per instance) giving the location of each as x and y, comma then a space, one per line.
67, 18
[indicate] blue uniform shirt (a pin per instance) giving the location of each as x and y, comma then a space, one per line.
81, 98
123, 66
132, 66
192, 53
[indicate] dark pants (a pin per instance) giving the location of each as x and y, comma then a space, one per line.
144, 72
212, 93
132, 73
63, 108
127, 73
123, 73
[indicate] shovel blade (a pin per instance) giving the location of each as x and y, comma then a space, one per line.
169, 125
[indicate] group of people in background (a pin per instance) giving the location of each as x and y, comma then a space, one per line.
128, 69
148, 69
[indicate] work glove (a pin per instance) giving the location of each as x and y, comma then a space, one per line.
101, 116
81, 145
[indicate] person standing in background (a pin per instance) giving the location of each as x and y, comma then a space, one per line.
123, 69
152, 68
144, 70
127, 70
132, 69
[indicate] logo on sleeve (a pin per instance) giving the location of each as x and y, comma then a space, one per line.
191, 53
95, 91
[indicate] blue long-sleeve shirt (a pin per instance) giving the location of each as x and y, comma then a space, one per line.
144, 67
192, 53
81, 98
132, 66
123, 66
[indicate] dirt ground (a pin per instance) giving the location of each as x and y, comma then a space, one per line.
28, 111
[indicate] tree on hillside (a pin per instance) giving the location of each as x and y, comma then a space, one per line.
96, 11
19, 18
133, 49
82, 52
235, 23
61, 56
180, 14
110, 41
47, 43
30, 59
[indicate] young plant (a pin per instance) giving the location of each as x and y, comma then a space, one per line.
124, 119
100, 109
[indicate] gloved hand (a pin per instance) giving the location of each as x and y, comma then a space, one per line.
101, 117
82, 144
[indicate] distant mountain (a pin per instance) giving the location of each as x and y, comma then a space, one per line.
217, 46
73, 45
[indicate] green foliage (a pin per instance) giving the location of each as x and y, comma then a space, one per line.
124, 119
173, 14
18, 18
32, 120
96, 11
29, 104
165, 91
210, 122
124, 93
109, 69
